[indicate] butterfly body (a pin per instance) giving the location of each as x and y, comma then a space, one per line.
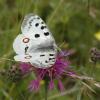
36, 44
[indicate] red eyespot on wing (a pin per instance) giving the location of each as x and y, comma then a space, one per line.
26, 40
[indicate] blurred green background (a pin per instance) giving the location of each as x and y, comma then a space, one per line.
75, 25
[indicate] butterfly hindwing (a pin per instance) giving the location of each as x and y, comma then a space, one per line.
39, 60
21, 44
44, 60
22, 58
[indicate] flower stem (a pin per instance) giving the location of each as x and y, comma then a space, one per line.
46, 88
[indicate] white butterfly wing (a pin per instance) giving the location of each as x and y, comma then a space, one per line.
44, 59
21, 44
18, 45
29, 47
22, 58
38, 60
33, 24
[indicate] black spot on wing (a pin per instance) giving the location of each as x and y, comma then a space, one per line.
37, 35
46, 33
42, 55
51, 58
42, 27
46, 61
26, 48
51, 54
38, 17
42, 22
37, 24
30, 22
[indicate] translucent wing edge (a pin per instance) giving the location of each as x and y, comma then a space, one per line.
26, 19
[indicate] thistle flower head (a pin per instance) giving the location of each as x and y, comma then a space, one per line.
95, 55
13, 74
56, 72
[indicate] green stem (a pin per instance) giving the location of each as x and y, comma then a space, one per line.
46, 88
55, 11
88, 6
93, 69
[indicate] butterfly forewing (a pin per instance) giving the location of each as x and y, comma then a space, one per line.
33, 23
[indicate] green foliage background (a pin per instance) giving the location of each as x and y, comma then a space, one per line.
73, 24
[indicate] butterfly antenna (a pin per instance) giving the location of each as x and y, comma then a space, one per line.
59, 49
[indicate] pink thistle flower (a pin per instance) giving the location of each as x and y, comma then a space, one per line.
25, 67
57, 71
34, 85
51, 85
60, 85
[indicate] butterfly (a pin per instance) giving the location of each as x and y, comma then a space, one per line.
36, 44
